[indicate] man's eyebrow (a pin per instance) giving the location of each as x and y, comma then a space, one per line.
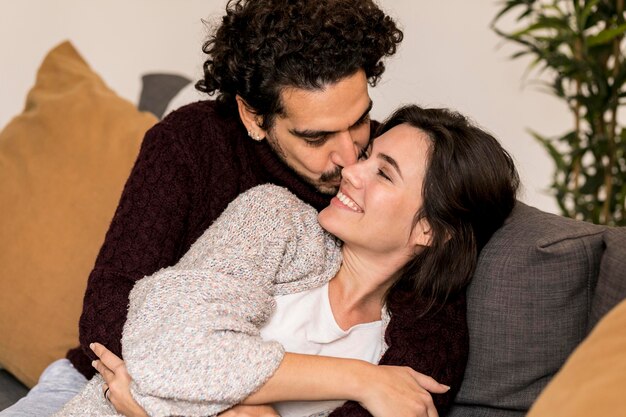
391, 162
314, 134
365, 114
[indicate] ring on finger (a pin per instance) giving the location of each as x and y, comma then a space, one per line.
106, 394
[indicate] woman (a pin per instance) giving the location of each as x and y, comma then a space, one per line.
412, 217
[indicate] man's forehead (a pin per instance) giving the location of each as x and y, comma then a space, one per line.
334, 103
309, 110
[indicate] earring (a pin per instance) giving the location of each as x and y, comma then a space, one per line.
255, 136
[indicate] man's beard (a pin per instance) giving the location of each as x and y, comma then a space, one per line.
328, 182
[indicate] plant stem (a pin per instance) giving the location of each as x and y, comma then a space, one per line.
608, 172
577, 119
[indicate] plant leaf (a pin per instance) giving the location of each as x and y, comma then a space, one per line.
607, 35
584, 14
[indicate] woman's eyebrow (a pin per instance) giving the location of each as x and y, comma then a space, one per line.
391, 162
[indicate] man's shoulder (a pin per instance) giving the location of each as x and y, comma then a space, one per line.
197, 128
200, 115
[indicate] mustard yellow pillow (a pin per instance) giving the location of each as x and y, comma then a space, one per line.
593, 380
63, 163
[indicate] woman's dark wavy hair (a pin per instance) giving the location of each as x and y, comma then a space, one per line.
469, 190
264, 46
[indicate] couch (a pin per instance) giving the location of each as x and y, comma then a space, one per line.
542, 283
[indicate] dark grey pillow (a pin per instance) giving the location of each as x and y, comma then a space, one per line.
158, 90
528, 307
611, 286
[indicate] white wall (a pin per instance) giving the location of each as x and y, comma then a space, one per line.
449, 57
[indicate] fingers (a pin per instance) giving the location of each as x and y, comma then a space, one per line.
106, 373
108, 358
429, 383
432, 412
425, 405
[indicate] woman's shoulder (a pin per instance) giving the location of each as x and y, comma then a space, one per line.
272, 209
273, 201
271, 193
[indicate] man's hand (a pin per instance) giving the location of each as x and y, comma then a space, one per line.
250, 411
114, 373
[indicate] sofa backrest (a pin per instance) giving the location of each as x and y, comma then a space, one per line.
531, 302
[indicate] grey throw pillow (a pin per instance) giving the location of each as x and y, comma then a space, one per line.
158, 90
528, 307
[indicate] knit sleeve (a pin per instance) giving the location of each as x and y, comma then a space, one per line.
145, 235
436, 345
192, 339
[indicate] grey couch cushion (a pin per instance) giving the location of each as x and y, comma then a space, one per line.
611, 286
528, 308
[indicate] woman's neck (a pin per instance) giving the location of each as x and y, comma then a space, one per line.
358, 290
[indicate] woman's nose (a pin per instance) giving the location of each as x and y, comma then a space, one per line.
353, 174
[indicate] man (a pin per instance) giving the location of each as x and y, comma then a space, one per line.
292, 108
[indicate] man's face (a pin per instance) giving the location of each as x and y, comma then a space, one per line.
324, 130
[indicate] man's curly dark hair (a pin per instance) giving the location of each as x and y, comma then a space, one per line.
264, 46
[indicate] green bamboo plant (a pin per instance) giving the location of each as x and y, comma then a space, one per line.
577, 46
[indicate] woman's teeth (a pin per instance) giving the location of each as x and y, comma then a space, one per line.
348, 202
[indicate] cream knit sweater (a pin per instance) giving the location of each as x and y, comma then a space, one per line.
191, 341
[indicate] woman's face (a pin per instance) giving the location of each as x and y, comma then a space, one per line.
379, 196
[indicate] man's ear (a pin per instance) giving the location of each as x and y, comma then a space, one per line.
250, 120
422, 234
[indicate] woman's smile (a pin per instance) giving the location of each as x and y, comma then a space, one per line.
344, 201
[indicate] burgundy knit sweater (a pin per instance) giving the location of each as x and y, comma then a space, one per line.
190, 167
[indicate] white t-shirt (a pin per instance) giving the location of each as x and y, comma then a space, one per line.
304, 323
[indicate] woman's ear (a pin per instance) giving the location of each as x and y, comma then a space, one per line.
250, 120
422, 233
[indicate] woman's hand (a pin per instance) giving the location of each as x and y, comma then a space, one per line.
113, 370
399, 391
250, 411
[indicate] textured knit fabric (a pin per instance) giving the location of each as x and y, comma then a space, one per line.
190, 167
192, 338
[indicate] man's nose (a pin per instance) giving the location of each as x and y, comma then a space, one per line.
346, 151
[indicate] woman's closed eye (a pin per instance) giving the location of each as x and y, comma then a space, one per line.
382, 173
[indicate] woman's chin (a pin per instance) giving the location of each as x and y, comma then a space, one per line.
330, 221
